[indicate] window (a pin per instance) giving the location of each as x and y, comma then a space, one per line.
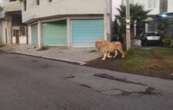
38, 2
25, 5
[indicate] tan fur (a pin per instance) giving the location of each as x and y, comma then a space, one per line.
107, 47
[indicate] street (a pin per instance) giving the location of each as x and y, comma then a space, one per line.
30, 83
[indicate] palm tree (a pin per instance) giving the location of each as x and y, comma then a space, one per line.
138, 14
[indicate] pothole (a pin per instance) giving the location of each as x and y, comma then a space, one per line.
16, 57
86, 86
45, 66
34, 61
69, 77
148, 91
106, 76
93, 51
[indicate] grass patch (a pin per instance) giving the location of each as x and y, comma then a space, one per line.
157, 62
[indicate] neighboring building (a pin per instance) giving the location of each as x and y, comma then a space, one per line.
12, 31
149, 5
152, 5
157, 8
170, 6
71, 23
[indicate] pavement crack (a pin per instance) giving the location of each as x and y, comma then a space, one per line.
106, 76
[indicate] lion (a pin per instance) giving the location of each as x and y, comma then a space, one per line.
106, 48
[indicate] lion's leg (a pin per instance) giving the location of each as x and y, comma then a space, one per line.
116, 53
104, 56
109, 55
122, 53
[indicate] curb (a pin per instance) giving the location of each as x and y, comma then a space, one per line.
47, 58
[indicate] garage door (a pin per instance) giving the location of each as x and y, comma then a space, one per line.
34, 35
55, 33
86, 32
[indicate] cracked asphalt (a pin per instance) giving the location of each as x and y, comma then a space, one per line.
29, 83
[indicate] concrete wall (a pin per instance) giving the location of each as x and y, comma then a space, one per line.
11, 6
63, 7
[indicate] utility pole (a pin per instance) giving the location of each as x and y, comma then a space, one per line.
128, 39
135, 28
108, 19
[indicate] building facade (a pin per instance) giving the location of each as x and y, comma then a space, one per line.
152, 5
170, 6
149, 5
170, 17
13, 31
70, 23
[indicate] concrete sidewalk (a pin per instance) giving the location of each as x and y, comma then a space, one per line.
72, 55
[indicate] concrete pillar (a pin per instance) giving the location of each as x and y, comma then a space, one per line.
29, 35
109, 26
3, 33
105, 27
39, 30
69, 32
107, 19
9, 30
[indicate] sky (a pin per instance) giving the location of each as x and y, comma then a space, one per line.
115, 5
0, 2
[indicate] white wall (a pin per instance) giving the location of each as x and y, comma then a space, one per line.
170, 6
63, 7
153, 5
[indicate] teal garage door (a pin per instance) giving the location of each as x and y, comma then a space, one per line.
34, 35
55, 33
86, 32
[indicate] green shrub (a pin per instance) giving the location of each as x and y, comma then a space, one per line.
167, 42
171, 45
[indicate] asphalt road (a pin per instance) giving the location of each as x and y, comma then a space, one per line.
29, 83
